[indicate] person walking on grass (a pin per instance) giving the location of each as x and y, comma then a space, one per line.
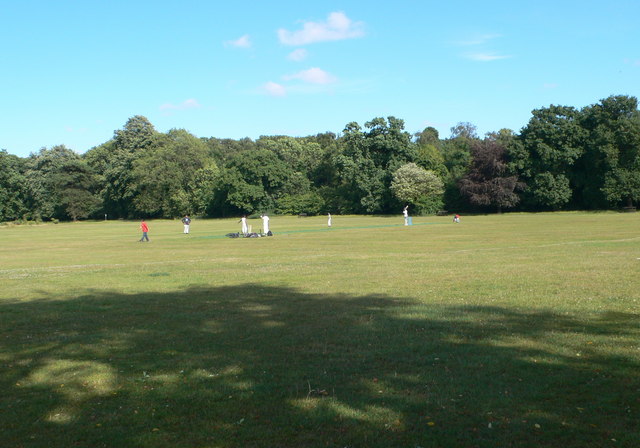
186, 221
328, 219
145, 229
405, 213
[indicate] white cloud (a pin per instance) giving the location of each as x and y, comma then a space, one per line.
478, 40
241, 42
313, 75
485, 57
186, 104
337, 27
274, 89
298, 55
485, 53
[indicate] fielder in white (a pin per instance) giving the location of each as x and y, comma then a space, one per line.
243, 220
265, 223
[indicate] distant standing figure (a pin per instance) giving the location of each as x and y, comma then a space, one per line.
328, 219
243, 220
405, 213
456, 218
145, 229
265, 223
187, 222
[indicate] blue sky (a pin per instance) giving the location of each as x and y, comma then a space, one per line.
75, 71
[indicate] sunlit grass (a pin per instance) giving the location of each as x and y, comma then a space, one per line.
507, 330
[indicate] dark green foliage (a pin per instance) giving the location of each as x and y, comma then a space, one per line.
564, 158
310, 203
61, 185
367, 162
552, 143
13, 187
251, 183
115, 161
163, 175
612, 152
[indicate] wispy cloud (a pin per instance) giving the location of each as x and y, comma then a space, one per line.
484, 53
274, 89
478, 40
485, 57
313, 75
337, 27
241, 42
186, 104
298, 55
550, 85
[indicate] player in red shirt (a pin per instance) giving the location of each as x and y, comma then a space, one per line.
145, 228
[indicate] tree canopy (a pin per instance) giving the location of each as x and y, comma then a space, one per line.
563, 158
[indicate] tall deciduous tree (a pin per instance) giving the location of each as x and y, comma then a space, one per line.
163, 175
428, 154
611, 162
456, 152
488, 181
415, 185
61, 184
13, 187
251, 183
552, 142
367, 163
114, 161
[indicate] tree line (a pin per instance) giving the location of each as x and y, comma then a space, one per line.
564, 158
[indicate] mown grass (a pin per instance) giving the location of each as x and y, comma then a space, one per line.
516, 330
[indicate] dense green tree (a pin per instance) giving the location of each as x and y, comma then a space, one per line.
300, 154
360, 182
550, 190
552, 143
610, 167
114, 161
13, 187
566, 158
61, 185
388, 144
163, 175
137, 134
205, 182
223, 149
429, 157
251, 183
367, 162
428, 136
456, 152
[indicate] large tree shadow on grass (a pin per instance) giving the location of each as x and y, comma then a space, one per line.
262, 366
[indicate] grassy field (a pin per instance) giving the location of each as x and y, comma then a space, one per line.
518, 330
